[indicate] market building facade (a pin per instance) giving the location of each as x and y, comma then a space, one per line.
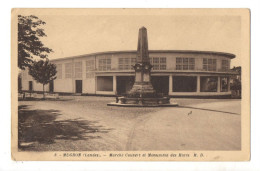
175, 73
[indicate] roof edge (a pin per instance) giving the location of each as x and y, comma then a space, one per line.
230, 55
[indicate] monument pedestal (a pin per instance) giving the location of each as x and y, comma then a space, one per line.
142, 89
142, 86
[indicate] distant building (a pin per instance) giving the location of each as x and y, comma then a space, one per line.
174, 73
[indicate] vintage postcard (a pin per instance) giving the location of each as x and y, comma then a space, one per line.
131, 84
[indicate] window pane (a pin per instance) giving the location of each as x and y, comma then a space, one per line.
120, 61
156, 67
225, 65
205, 67
185, 60
191, 67
210, 67
211, 64
68, 70
105, 83
126, 63
133, 60
185, 67
162, 67
163, 60
126, 60
121, 67
178, 60
59, 71
214, 68
191, 61
224, 84
178, 67
156, 60
205, 60
104, 64
89, 65
208, 84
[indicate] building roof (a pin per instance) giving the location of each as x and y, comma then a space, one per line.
229, 55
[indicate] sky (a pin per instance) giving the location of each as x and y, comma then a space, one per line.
72, 35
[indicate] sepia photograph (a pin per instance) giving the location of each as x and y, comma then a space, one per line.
131, 84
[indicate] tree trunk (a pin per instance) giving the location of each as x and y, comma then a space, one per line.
43, 91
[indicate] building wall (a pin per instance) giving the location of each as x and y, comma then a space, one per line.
36, 86
89, 76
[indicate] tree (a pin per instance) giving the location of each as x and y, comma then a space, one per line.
29, 43
43, 72
236, 80
19, 82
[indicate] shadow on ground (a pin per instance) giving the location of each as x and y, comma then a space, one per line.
41, 99
41, 127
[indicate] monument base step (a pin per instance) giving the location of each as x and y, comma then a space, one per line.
143, 105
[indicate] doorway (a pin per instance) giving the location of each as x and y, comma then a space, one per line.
124, 84
161, 84
184, 83
78, 86
30, 86
51, 86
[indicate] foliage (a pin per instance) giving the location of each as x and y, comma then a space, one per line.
29, 43
237, 69
236, 85
43, 72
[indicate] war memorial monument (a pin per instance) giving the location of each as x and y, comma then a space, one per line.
142, 93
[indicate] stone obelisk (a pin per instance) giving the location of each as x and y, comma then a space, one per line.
142, 86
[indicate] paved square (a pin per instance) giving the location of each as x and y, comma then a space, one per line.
87, 123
